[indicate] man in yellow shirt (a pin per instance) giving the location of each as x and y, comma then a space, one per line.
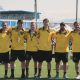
75, 38
60, 48
4, 46
31, 48
44, 47
17, 47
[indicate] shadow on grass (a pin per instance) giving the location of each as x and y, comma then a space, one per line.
32, 78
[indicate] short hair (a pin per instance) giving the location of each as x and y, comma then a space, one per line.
47, 20
20, 21
32, 22
3, 23
62, 24
75, 22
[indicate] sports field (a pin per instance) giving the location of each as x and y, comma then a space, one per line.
70, 73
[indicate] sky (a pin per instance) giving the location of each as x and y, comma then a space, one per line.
52, 9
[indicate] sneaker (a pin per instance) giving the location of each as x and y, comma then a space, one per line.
12, 76
35, 77
77, 77
38, 77
65, 77
22, 76
5, 76
57, 77
49, 78
26, 78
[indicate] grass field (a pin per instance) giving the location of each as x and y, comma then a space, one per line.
70, 73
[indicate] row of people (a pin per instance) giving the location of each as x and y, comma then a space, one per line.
61, 49
39, 46
35, 44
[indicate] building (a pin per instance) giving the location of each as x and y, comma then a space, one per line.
11, 17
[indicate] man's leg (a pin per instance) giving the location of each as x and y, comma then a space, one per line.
23, 69
77, 68
6, 69
35, 67
39, 68
12, 69
27, 68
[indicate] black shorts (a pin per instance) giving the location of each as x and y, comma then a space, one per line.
53, 55
44, 56
61, 56
4, 57
31, 54
76, 56
20, 54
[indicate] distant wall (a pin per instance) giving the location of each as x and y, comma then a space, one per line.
26, 24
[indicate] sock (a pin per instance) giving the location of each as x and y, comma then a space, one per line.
57, 73
49, 72
64, 73
35, 70
77, 73
23, 71
39, 72
12, 71
6, 72
27, 71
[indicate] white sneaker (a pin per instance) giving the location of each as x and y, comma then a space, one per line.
77, 77
65, 77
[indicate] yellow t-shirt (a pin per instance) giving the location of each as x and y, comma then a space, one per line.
17, 38
75, 36
43, 40
62, 41
51, 36
4, 42
32, 41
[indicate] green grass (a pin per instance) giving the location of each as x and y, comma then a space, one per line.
70, 72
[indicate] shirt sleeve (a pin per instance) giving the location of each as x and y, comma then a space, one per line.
69, 36
51, 35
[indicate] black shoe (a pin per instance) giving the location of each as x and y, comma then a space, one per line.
12, 76
26, 77
49, 77
22, 76
65, 77
38, 77
57, 77
5, 76
35, 77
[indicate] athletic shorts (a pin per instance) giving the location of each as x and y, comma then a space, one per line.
61, 56
44, 56
76, 56
17, 54
4, 57
30, 55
